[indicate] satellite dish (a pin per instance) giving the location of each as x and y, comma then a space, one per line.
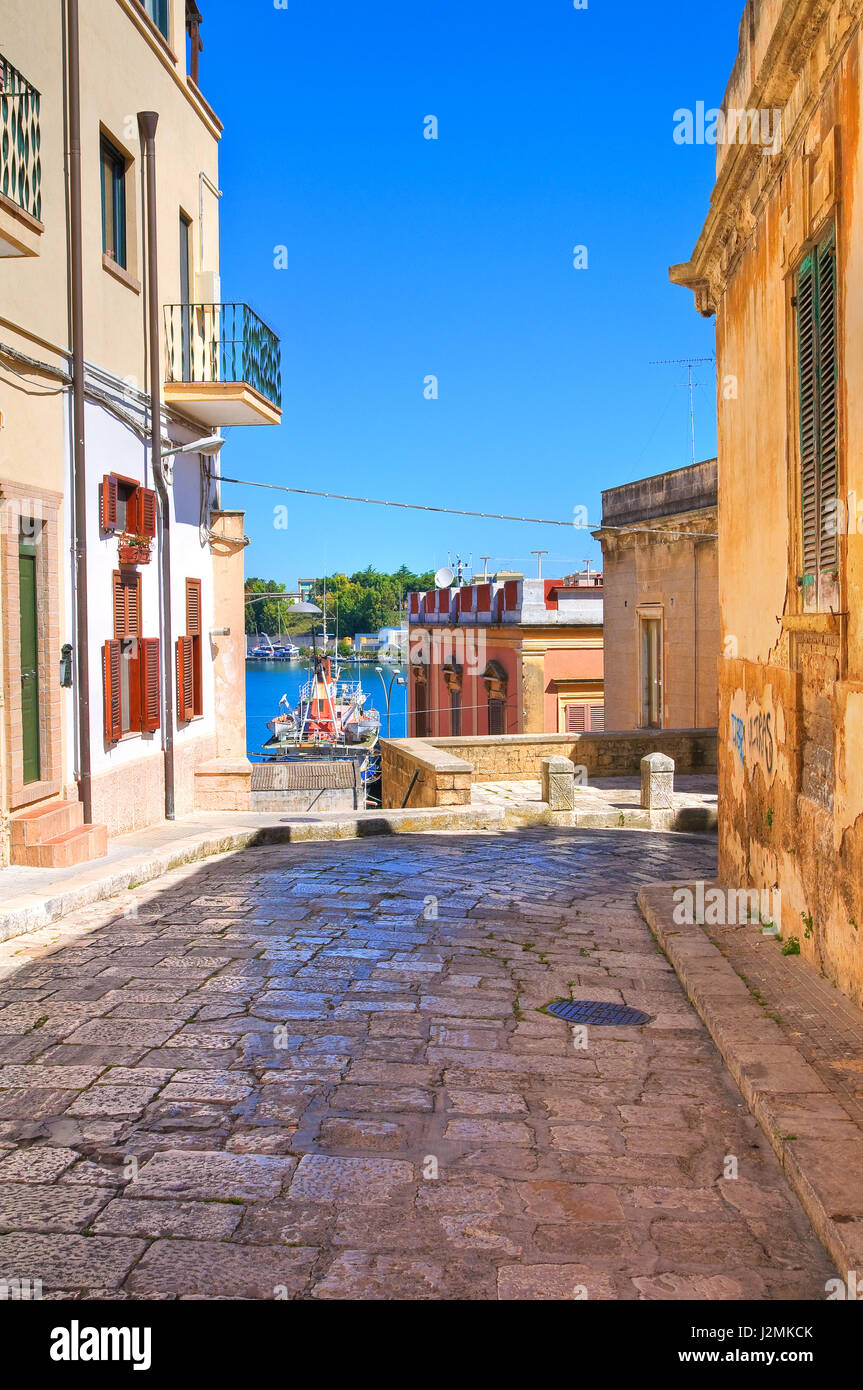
444, 577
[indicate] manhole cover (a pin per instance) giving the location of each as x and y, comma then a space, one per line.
589, 1011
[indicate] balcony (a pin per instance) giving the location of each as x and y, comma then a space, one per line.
223, 365
20, 164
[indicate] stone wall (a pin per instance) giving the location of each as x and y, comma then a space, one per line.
446, 767
425, 773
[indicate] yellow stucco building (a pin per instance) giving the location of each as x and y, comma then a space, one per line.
121, 577
780, 264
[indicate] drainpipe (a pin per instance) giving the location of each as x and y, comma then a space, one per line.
147, 122
82, 626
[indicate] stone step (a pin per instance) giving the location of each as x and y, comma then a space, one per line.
37, 824
72, 847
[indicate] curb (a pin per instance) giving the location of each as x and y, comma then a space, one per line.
824, 1163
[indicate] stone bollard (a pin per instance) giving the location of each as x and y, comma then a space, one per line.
558, 783
657, 782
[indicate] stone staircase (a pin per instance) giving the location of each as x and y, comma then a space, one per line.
52, 835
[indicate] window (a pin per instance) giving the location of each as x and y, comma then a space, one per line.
126, 507
817, 370
651, 673
113, 203
131, 665
452, 674
497, 716
421, 720
186, 293
585, 718
455, 713
158, 12
190, 678
497, 685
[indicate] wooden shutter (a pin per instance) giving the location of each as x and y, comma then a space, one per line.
828, 478
575, 719
193, 608
127, 603
185, 680
108, 503
146, 500
113, 710
808, 391
148, 650
597, 718
496, 717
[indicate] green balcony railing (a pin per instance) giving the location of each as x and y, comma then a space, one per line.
223, 342
20, 141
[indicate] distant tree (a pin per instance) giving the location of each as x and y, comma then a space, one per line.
361, 602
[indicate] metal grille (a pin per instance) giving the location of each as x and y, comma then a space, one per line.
590, 1011
223, 342
20, 141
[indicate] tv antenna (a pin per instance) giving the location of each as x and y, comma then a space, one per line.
688, 363
458, 565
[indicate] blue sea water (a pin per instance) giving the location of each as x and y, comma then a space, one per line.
268, 681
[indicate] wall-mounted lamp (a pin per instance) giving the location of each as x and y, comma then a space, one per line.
66, 665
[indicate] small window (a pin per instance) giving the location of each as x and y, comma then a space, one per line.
455, 713
127, 507
158, 12
113, 203
497, 716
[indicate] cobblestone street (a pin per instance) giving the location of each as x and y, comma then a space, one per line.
321, 1071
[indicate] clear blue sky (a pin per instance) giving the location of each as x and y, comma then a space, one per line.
409, 257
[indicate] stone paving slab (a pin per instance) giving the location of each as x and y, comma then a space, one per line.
464, 1144
794, 1044
32, 898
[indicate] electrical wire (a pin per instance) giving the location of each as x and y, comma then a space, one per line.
458, 511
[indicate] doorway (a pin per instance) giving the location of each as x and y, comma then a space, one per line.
27, 591
651, 673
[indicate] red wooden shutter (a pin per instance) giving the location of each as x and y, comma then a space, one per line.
148, 649
597, 718
185, 680
146, 512
126, 589
108, 502
193, 608
113, 711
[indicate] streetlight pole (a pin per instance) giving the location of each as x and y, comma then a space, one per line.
394, 678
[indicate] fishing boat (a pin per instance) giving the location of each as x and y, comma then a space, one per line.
331, 714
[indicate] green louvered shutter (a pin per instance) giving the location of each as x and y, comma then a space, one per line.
828, 475
808, 392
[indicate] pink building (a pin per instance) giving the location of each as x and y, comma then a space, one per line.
506, 656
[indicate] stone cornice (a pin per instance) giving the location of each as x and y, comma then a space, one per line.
786, 80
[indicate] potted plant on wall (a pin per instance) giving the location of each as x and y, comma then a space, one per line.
134, 550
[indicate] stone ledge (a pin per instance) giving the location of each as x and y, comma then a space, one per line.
774, 1079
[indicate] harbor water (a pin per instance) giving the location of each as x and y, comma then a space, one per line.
268, 681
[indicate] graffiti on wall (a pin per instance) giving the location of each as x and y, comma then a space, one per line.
756, 730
